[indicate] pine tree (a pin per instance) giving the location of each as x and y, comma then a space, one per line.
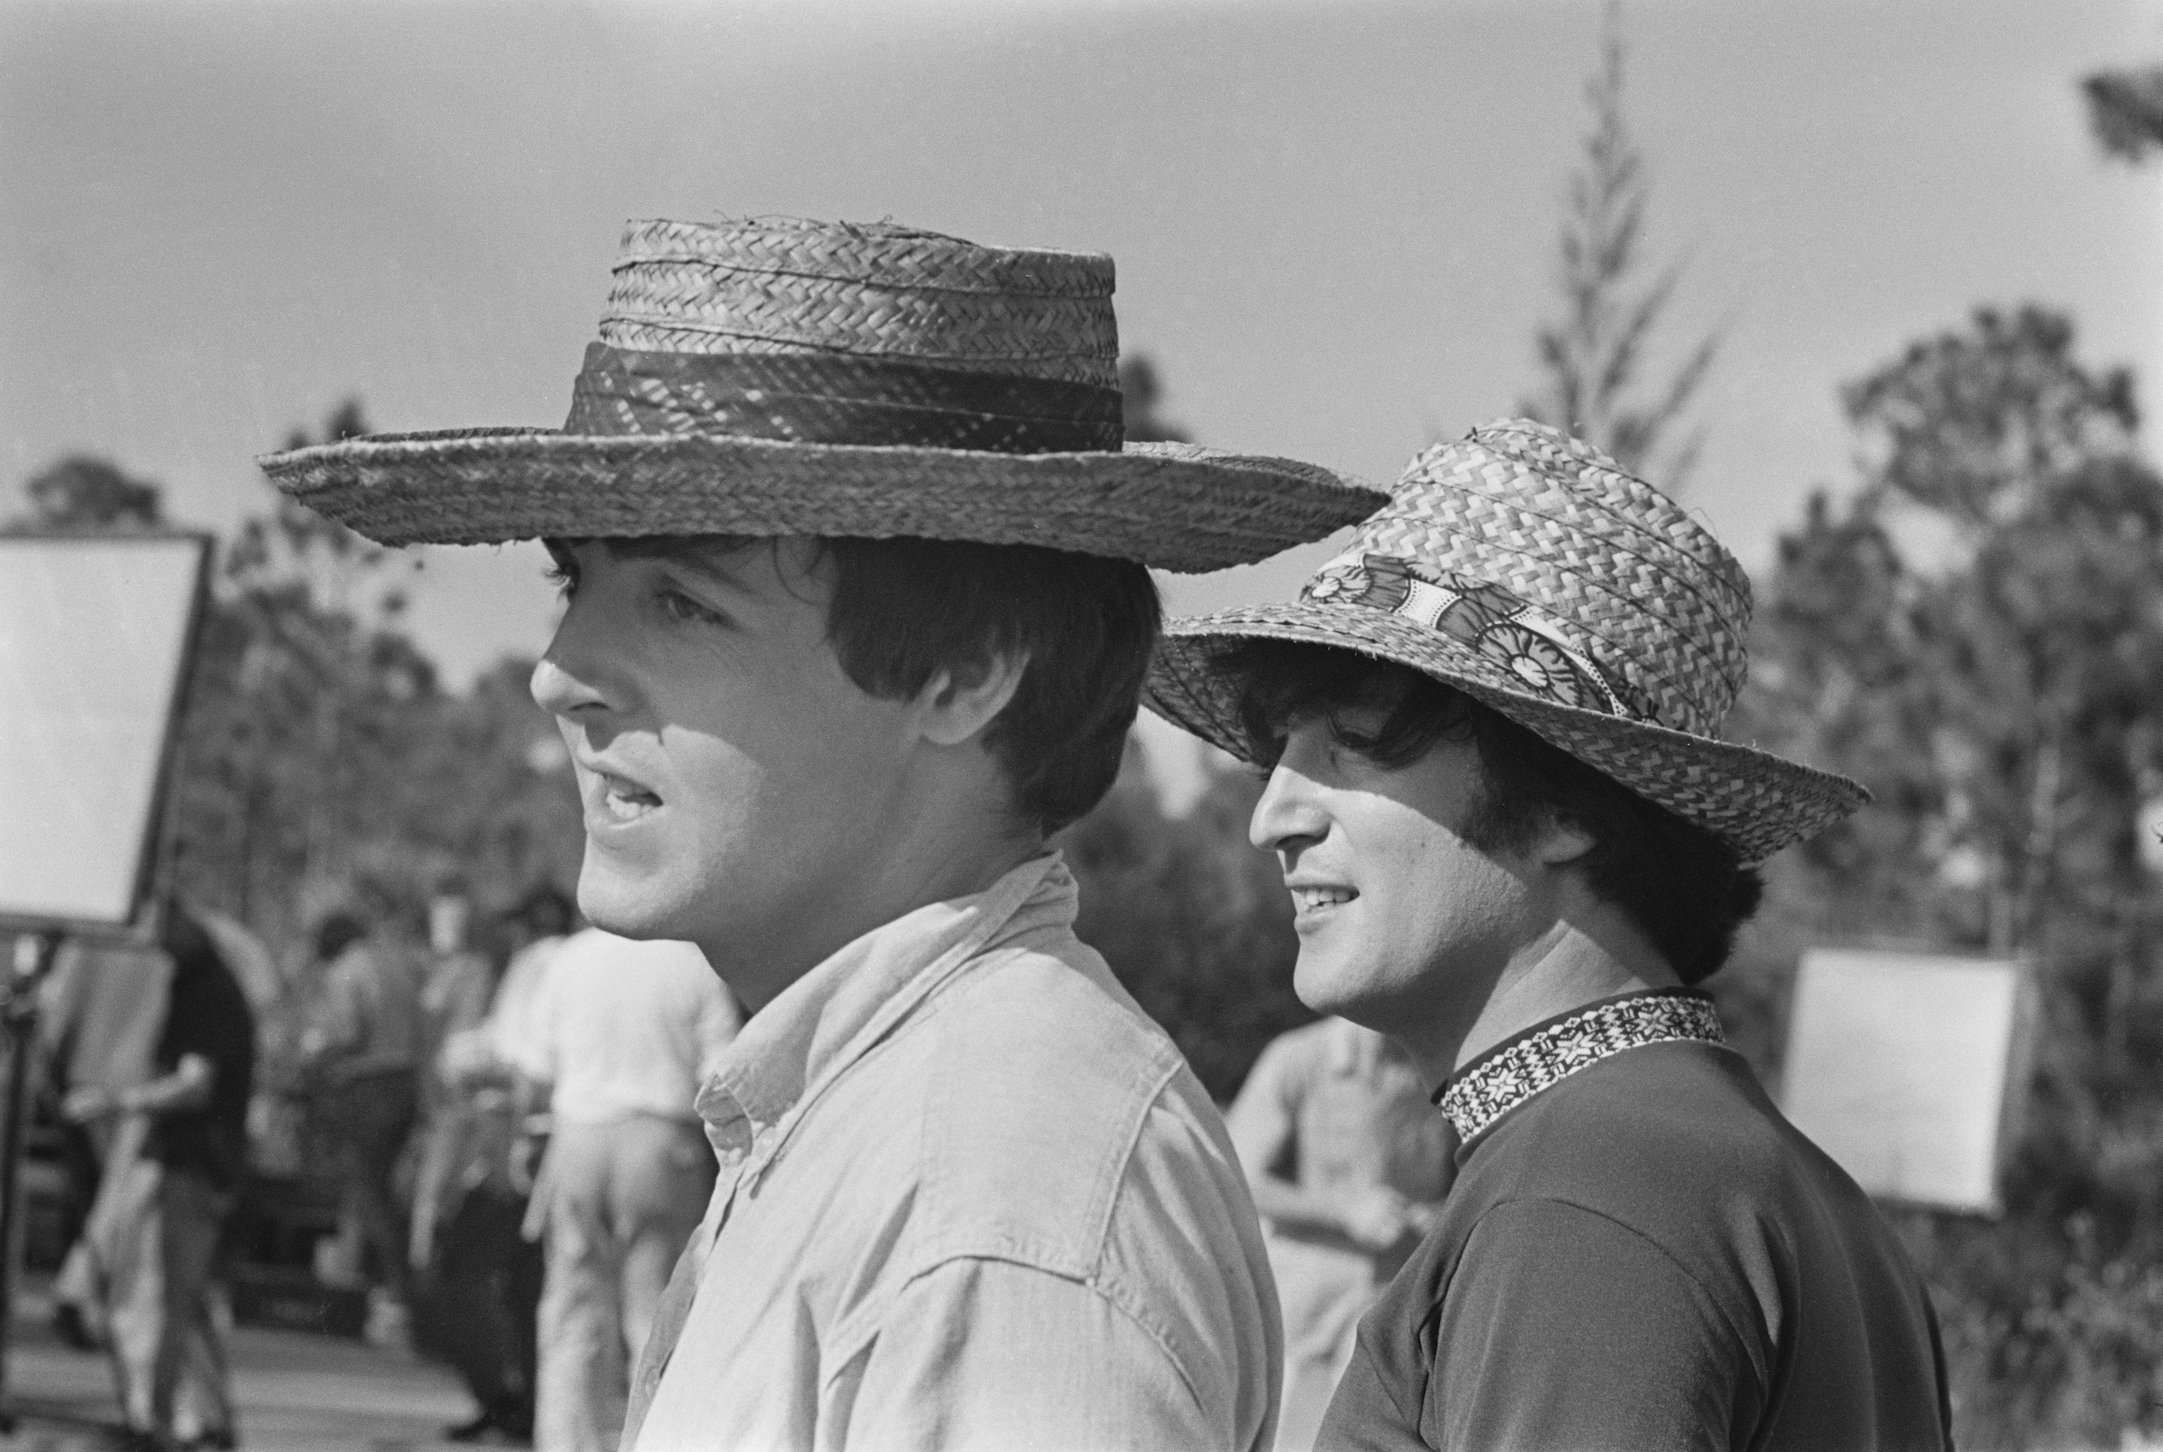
1592, 359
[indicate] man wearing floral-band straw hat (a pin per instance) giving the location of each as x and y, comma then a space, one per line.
858, 613
1515, 843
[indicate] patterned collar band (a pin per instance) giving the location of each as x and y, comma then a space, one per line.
1515, 1070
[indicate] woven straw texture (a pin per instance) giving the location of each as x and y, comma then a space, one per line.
987, 354
1170, 506
1619, 639
789, 286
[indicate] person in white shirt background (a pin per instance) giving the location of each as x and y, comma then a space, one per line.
622, 1034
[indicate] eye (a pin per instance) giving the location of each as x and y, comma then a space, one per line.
562, 570
685, 610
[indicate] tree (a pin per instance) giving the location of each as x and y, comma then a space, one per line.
2126, 110
1997, 695
323, 760
1140, 392
1593, 357
1191, 918
82, 492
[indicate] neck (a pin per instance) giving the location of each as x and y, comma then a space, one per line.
934, 858
1588, 952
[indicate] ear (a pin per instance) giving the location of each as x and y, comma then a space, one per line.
959, 702
1561, 841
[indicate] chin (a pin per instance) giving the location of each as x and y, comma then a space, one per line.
618, 903
1358, 989
1320, 985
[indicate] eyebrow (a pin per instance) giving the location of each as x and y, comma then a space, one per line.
710, 557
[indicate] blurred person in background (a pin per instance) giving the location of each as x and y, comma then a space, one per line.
100, 1012
459, 982
156, 1248
478, 1278
360, 1055
621, 1035
1516, 843
1349, 1162
538, 926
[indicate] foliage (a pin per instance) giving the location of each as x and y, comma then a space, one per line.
2126, 110
1192, 919
1977, 634
1592, 358
85, 493
1140, 393
320, 760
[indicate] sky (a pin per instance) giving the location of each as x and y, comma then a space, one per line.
1334, 224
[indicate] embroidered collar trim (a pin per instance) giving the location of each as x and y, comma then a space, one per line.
1515, 1070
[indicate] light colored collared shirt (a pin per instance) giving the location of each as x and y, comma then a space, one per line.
622, 1028
970, 1197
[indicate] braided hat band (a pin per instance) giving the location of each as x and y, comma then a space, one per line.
784, 376
1527, 569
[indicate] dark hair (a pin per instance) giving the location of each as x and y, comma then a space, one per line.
337, 932
904, 609
187, 942
1684, 889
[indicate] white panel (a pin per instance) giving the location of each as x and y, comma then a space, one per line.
92, 636
1898, 1065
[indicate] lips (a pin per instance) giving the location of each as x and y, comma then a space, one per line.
613, 798
1312, 901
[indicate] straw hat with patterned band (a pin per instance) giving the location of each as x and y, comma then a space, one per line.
1525, 568
791, 377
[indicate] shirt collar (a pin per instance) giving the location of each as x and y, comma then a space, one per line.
825, 1021
1520, 1067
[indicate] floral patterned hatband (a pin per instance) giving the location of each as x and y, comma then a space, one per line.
1530, 647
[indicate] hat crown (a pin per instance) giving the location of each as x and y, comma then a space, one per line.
868, 291
1632, 603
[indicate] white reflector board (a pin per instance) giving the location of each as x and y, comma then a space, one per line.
1909, 1069
94, 636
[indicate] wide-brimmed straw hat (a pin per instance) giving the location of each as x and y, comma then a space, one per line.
792, 377
1526, 569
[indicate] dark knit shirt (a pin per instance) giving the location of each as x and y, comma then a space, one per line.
1639, 1251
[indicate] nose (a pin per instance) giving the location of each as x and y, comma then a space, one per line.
1289, 816
566, 679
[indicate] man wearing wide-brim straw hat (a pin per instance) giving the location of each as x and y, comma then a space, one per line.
858, 613
1515, 843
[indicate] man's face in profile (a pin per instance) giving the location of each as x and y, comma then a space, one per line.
735, 780
1402, 920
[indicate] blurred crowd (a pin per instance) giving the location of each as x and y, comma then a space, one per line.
490, 1117
500, 1110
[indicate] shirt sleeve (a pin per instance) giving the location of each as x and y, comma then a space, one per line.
992, 1355
1565, 1328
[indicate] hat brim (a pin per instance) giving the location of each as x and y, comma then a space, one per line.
1173, 506
1754, 801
